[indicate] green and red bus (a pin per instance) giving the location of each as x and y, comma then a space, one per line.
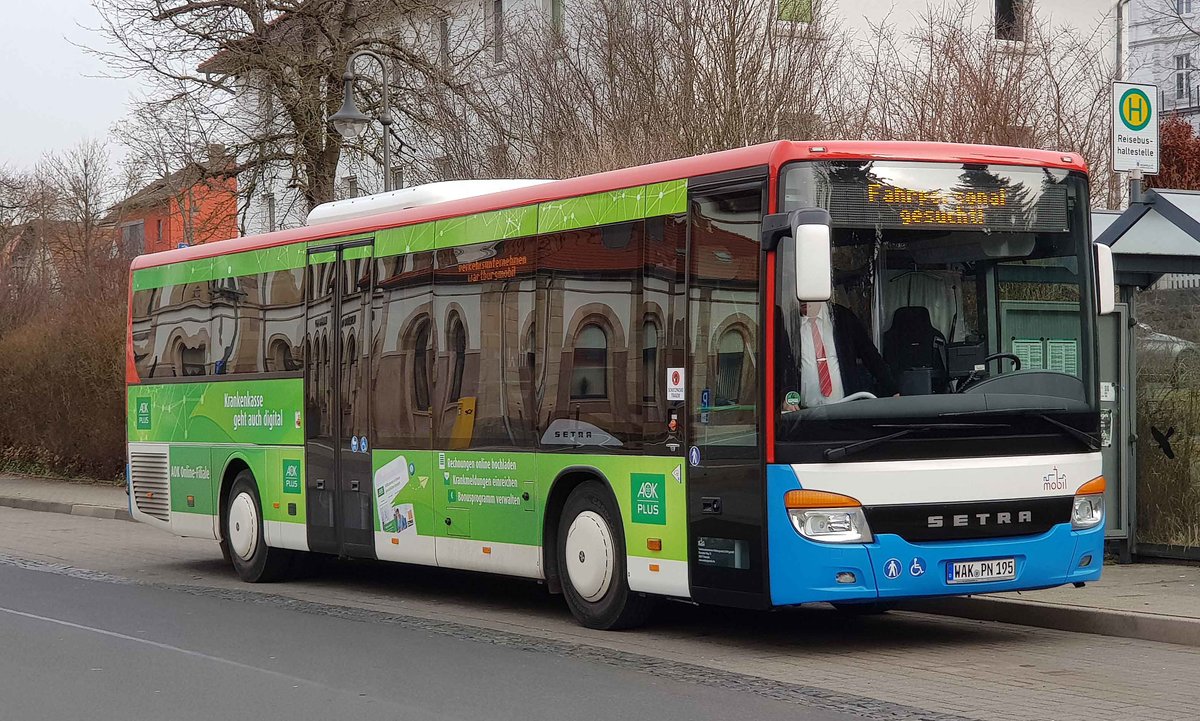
845, 372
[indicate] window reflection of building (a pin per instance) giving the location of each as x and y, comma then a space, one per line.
650, 343
458, 349
422, 352
731, 356
589, 372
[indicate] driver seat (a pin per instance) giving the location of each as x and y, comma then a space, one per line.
915, 349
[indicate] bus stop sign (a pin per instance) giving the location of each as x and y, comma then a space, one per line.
1135, 128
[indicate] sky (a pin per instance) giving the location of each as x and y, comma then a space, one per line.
52, 94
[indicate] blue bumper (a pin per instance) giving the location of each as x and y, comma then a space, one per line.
804, 571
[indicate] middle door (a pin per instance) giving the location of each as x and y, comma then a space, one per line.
484, 464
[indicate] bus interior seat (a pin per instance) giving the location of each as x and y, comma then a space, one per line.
914, 349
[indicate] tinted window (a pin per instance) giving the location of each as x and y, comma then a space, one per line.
724, 312
402, 350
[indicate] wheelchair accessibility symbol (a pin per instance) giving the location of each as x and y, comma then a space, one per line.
893, 568
917, 568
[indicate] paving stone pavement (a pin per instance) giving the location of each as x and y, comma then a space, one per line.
954, 667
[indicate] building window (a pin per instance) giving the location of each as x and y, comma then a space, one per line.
556, 14
269, 199
1010, 19
444, 42
1183, 7
795, 11
1183, 73
589, 372
158, 231
421, 351
650, 360
498, 28
458, 349
133, 238
731, 355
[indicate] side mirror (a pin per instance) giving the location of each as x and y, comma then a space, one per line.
810, 230
814, 263
1106, 300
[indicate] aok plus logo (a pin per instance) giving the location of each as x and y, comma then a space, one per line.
143, 414
291, 476
1054, 480
649, 498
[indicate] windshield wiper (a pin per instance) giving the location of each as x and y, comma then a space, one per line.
837, 454
1086, 438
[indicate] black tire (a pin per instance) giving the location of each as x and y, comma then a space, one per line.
262, 564
618, 607
876, 608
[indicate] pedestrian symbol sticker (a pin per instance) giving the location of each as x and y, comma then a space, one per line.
917, 567
362, 444
892, 568
694, 456
354, 444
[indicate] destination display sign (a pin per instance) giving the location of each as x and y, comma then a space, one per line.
980, 201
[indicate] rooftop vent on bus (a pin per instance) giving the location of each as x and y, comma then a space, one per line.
413, 197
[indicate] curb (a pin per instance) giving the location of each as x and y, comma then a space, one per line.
1078, 619
73, 509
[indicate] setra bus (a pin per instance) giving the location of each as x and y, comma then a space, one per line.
845, 372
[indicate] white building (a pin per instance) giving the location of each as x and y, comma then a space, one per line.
1164, 50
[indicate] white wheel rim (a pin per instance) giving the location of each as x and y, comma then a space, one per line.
590, 555
243, 526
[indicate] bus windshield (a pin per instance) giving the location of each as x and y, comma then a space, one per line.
961, 310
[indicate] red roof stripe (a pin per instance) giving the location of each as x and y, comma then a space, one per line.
772, 154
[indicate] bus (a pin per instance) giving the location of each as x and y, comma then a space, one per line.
843, 372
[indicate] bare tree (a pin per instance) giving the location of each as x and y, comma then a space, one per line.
262, 77
951, 80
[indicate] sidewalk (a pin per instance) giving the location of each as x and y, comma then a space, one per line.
57, 496
1153, 602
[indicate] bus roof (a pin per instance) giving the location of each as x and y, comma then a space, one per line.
773, 155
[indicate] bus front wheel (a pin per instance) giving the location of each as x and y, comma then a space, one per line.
591, 560
252, 558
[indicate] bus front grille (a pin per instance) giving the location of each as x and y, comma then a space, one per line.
149, 474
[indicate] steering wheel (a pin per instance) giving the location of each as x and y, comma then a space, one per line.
859, 396
999, 356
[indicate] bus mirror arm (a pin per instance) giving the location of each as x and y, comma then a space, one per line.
812, 235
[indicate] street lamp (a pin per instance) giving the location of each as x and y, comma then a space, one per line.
350, 122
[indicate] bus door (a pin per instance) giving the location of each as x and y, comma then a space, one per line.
338, 443
726, 485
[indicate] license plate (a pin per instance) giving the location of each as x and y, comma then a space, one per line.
996, 569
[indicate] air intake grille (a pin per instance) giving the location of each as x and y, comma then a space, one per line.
151, 484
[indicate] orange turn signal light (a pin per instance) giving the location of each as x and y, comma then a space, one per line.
818, 499
654, 544
1092, 487
653, 568
487, 550
395, 541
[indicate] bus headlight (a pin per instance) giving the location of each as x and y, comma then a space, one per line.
1088, 509
827, 517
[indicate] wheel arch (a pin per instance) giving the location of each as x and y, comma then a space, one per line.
567, 480
233, 466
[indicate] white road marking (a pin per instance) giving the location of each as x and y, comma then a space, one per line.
163, 646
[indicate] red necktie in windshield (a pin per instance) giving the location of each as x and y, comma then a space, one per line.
822, 364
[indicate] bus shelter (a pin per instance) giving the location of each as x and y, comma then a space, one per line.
1150, 376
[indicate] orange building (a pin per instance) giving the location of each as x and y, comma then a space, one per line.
188, 207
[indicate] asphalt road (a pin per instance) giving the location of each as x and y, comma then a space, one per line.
419, 642
77, 648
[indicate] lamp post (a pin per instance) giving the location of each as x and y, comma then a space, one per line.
350, 122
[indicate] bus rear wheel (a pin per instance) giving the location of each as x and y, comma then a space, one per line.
591, 560
252, 558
